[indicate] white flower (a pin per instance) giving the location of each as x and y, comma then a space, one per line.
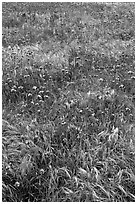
17, 184
42, 171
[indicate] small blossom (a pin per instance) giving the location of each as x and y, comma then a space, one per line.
17, 184
42, 171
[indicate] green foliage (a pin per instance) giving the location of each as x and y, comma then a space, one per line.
68, 89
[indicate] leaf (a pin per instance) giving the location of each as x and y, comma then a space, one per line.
106, 192
84, 173
97, 174
67, 190
66, 171
114, 136
26, 165
119, 175
122, 189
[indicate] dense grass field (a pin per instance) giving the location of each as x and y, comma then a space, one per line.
68, 98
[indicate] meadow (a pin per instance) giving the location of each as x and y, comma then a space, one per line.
68, 102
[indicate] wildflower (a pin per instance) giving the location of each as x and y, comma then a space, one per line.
101, 80
42, 171
17, 184
34, 88
39, 97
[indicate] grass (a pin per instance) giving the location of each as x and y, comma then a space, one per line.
68, 130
